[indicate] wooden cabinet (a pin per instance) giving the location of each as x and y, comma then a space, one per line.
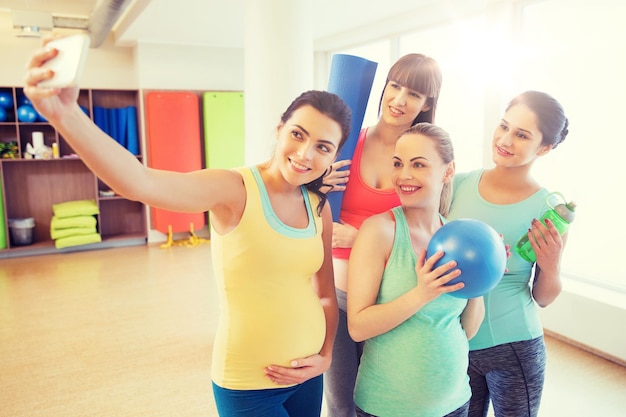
31, 186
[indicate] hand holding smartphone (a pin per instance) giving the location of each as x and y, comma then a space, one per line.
69, 63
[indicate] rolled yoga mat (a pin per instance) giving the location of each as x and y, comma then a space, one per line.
351, 78
174, 144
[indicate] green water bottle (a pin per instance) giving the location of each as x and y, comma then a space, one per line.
561, 215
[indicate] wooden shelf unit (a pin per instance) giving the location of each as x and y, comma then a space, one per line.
31, 186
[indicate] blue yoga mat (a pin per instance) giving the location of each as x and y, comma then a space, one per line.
351, 78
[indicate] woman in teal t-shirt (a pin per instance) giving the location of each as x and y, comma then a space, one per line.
415, 355
507, 356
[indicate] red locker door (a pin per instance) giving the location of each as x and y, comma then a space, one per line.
174, 143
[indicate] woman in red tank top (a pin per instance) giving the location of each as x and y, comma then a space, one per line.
410, 96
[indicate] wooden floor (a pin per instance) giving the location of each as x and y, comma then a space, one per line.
128, 332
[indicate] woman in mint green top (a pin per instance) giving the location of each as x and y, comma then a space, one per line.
415, 355
507, 356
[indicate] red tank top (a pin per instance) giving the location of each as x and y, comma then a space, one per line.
360, 201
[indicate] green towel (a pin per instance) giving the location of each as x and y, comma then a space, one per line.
75, 208
72, 231
72, 222
76, 240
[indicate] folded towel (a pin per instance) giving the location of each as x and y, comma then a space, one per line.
75, 208
76, 240
72, 231
72, 222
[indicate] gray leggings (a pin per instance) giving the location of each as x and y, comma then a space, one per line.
511, 375
340, 378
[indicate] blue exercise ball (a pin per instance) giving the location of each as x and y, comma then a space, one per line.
6, 100
3, 115
478, 250
26, 114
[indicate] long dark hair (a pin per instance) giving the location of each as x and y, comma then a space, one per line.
334, 107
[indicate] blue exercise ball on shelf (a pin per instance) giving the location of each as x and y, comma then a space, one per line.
23, 100
26, 114
478, 250
6, 100
3, 115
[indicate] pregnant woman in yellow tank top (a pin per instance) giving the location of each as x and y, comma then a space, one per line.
271, 243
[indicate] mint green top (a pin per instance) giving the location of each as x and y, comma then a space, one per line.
510, 312
418, 368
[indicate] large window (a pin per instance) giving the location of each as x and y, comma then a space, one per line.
583, 66
460, 110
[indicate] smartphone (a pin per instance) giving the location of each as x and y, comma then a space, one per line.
69, 63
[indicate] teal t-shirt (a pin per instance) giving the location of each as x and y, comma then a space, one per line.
510, 312
418, 368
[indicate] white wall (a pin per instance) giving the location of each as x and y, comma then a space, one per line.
176, 67
105, 67
591, 317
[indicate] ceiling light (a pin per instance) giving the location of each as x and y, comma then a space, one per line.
29, 32
31, 22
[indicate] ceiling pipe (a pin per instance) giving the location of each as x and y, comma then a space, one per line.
70, 22
103, 17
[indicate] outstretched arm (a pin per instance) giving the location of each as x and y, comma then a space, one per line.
190, 192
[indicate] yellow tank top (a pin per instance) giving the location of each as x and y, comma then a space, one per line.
269, 312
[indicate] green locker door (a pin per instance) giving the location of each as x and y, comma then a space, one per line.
223, 129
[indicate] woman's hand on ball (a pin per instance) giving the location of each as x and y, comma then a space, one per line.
431, 283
